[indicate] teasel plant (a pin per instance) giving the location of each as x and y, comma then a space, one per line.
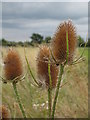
52, 60
47, 73
62, 49
4, 113
13, 71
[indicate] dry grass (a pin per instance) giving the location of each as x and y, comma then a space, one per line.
73, 97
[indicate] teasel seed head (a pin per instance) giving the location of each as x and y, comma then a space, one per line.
4, 113
42, 67
13, 65
59, 42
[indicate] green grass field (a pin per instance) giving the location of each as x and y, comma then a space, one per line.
73, 97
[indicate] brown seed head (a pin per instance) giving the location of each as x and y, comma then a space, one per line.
13, 65
59, 43
42, 67
4, 112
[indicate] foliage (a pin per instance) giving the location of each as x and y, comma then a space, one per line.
20, 43
88, 43
47, 39
7, 43
81, 42
37, 38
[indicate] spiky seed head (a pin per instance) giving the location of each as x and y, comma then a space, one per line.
4, 112
13, 65
59, 42
42, 67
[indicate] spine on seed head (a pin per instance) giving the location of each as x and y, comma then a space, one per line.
13, 65
59, 42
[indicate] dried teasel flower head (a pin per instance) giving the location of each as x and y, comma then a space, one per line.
42, 67
59, 42
4, 113
13, 65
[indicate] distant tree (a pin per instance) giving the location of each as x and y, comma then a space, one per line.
36, 38
20, 43
12, 43
4, 42
47, 39
81, 42
0, 42
27, 43
88, 43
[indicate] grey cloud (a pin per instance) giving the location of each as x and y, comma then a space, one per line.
0, 20
24, 34
83, 20
45, 0
44, 10
20, 20
29, 24
33, 24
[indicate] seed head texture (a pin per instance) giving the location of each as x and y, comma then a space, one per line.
13, 65
42, 67
59, 42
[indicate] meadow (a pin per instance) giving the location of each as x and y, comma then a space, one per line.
73, 96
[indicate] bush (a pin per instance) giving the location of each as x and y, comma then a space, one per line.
81, 42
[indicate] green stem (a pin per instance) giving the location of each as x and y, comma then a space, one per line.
18, 100
49, 91
67, 46
31, 71
49, 102
57, 90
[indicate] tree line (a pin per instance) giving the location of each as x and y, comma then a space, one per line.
38, 39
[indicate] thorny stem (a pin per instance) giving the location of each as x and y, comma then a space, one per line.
18, 100
49, 102
67, 46
49, 91
57, 90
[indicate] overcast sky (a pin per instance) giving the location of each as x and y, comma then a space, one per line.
21, 19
